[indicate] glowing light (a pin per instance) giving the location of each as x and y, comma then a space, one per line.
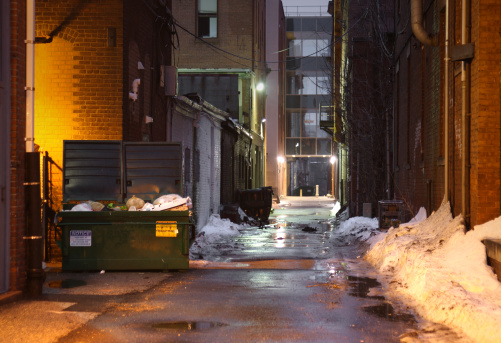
280, 159
333, 159
260, 86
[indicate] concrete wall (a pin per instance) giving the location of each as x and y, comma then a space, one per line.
274, 127
208, 183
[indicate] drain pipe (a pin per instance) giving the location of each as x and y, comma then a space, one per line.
429, 39
446, 104
417, 24
465, 114
34, 236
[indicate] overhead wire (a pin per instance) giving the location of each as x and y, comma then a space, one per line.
288, 59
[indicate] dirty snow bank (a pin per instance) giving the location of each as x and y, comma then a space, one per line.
215, 238
442, 272
356, 229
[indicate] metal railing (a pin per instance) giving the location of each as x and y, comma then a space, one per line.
306, 11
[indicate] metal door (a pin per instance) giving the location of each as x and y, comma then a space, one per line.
4, 145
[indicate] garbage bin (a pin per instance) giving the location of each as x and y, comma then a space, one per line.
390, 213
256, 203
112, 171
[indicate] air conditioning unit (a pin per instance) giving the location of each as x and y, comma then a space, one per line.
169, 80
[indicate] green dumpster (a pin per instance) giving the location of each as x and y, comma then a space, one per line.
112, 171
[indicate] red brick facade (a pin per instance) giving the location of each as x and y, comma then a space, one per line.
419, 112
18, 129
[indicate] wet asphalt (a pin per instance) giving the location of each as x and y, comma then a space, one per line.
287, 281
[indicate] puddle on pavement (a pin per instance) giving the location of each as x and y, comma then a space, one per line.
361, 286
67, 283
188, 325
386, 311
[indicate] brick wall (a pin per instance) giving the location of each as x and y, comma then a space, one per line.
146, 41
78, 77
18, 129
234, 34
427, 65
418, 121
485, 111
241, 32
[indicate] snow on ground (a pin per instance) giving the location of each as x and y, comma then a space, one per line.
431, 264
215, 238
355, 230
441, 271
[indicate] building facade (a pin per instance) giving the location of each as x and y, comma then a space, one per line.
13, 279
308, 148
275, 97
447, 107
220, 57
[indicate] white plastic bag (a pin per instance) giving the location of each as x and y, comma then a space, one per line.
84, 206
166, 198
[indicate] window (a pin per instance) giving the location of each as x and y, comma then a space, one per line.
207, 18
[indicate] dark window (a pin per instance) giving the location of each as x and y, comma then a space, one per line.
293, 101
309, 24
293, 63
324, 25
187, 165
196, 165
292, 146
207, 18
293, 24
309, 101
308, 146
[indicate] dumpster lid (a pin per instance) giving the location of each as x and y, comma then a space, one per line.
116, 170
92, 170
153, 169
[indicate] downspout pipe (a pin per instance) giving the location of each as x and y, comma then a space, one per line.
34, 235
465, 114
446, 104
417, 24
30, 75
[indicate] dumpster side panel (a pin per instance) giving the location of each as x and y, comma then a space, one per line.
125, 241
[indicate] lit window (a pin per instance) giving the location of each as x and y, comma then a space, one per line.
207, 18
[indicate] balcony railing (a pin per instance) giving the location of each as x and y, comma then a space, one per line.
306, 11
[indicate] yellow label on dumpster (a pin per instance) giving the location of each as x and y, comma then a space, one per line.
166, 229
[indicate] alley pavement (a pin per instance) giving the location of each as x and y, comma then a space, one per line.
288, 265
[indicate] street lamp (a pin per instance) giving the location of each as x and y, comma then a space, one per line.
260, 86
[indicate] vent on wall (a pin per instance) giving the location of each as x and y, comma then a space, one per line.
169, 80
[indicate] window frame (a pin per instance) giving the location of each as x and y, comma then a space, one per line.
209, 16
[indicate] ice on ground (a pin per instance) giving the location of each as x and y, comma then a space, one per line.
441, 270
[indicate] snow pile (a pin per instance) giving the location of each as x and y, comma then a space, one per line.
441, 270
356, 229
335, 209
215, 238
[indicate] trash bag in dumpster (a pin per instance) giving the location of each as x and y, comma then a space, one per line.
256, 202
